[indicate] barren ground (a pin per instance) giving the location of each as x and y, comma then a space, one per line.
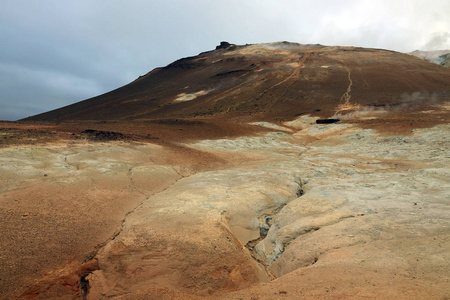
292, 210
210, 179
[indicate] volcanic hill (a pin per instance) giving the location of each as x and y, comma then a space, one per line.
270, 81
269, 171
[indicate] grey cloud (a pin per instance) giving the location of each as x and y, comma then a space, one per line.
439, 41
36, 91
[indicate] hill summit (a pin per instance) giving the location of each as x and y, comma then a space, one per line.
268, 82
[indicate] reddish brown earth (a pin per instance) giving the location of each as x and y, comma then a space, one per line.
73, 181
271, 82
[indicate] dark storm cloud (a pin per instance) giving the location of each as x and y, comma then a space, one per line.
56, 52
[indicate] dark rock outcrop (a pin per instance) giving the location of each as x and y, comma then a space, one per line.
327, 121
223, 45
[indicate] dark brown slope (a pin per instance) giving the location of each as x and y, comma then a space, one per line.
270, 81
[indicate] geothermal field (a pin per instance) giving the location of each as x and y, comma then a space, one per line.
268, 171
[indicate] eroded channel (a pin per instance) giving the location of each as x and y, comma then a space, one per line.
266, 222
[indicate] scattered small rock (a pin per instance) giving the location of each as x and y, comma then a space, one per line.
263, 231
103, 135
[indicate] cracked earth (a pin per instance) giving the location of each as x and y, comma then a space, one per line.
303, 211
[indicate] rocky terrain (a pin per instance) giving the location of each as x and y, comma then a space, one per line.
441, 57
230, 189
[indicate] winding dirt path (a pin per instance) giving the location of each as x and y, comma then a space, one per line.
345, 98
294, 75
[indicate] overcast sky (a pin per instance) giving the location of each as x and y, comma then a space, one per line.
57, 52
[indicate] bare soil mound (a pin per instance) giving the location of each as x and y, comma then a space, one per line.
278, 81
